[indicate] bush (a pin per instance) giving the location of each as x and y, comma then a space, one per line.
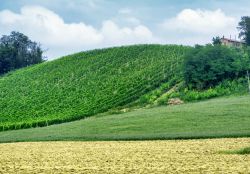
226, 87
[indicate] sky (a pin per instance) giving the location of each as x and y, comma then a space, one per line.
64, 27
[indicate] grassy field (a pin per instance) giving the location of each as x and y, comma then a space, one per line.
185, 156
222, 117
84, 84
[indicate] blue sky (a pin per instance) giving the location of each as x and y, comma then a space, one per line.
67, 26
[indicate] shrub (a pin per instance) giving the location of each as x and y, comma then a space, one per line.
226, 87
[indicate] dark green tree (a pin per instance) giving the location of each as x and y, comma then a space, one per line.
216, 40
17, 51
244, 28
207, 66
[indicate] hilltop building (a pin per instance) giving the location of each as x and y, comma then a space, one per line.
232, 43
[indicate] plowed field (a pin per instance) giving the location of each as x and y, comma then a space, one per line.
173, 156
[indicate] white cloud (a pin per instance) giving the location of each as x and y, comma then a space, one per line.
199, 26
200, 21
48, 28
113, 35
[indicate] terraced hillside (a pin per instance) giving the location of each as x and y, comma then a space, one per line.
84, 84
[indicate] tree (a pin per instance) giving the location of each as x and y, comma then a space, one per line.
17, 51
207, 66
216, 40
244, 28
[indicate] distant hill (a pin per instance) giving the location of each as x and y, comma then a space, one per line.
84, 84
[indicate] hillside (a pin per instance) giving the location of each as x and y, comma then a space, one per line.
221, 117
84, 84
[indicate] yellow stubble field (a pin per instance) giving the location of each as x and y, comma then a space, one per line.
172, 156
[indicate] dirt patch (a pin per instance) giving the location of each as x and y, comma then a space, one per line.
175, 101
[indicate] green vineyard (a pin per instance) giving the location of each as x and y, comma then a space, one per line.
84, 84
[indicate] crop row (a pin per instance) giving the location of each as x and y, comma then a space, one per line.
84, 84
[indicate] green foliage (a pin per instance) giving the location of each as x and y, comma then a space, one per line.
152, 96
216, 40
17, 51
226, 87
207, 66
244, 28
84, 84
245, 151
215, 118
